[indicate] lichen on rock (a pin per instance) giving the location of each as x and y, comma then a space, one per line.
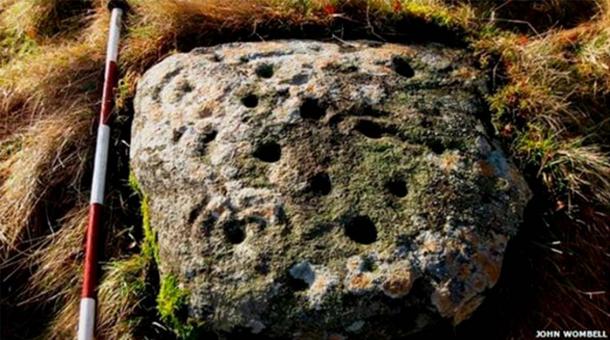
307, 189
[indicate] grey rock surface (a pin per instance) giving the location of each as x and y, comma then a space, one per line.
304, 189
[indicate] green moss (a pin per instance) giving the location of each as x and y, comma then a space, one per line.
429, 11
253, 171
436, 14
375, 164
134, 184
171, 300
150, 246
171, 303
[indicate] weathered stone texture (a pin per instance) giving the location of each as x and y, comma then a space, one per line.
306, 189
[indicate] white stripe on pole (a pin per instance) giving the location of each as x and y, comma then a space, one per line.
99, 170
113, 39
86, 323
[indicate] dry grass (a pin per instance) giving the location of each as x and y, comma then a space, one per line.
55, 263
41, 19
551, 108
56, 260
52, 154
120, 294
555, 107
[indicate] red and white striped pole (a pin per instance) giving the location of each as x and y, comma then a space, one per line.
86, 324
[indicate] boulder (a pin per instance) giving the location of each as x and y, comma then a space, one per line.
302, 189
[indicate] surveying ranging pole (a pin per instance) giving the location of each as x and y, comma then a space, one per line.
86, 323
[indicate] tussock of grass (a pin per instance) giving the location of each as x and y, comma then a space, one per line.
39, 19
58, 259
51, 155
65, 320
122, 289
55, 264
555, 108
56, 280
552, 63
38, 85
15, 47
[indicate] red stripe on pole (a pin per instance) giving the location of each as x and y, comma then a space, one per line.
95, 214
110, 82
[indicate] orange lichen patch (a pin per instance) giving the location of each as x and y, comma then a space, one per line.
478, 282
490, 268
264, 212
360, 282
449, 161
464, 73
441, 299
466, 309
320, 284
398, 283
430, 245
205, 112
485, 169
